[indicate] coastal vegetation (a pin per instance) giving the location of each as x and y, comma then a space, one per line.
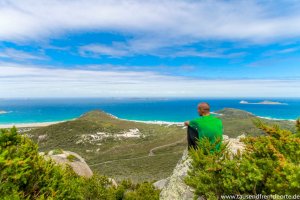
71, 158
57, 151
126, 149
269, 164
24, 174
108, 147
137, 154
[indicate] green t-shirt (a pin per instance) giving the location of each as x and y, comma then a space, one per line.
209, 127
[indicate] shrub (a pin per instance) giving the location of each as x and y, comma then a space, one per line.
24, 174
72, 158
143, 191
270, 164
97, 187
57, 151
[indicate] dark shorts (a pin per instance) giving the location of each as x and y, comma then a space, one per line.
192, 137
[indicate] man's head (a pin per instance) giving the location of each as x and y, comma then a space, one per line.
203, 109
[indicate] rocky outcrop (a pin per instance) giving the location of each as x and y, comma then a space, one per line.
42, 138
174, 187
72, 159
161, 183
235, 144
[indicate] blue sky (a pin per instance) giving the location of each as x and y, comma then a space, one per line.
149, 49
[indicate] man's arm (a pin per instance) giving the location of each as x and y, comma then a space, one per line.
187, 123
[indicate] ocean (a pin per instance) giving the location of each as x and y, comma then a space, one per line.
169, 110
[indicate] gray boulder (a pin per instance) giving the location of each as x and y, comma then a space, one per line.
161, 183
175, 187
72, 159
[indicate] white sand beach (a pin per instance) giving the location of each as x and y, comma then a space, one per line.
148, 122
43, 124
29, 125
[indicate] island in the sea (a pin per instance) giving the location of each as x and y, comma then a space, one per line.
2, 112
264, 102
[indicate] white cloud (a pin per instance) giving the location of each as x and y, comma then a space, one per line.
132, 48
10, 53
31, 81
206, 54
150, 27
167, 21
104, 50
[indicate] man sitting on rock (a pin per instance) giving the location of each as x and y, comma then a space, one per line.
205, 126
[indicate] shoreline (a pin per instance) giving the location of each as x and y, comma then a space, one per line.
148, 122
31, 125
276, 119
43, 124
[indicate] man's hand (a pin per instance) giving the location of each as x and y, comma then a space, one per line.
187, 123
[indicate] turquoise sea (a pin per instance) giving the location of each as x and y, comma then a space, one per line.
170, 110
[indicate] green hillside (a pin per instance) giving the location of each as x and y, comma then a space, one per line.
237, 122
118, 157
149, 152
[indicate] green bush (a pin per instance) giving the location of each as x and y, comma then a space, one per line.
97, 187
24, 174
57, 151
72, 158
144, 191
270, 164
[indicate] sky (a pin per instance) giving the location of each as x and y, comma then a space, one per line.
155, 48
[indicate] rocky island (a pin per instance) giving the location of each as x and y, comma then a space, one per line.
2, 112
264, 102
